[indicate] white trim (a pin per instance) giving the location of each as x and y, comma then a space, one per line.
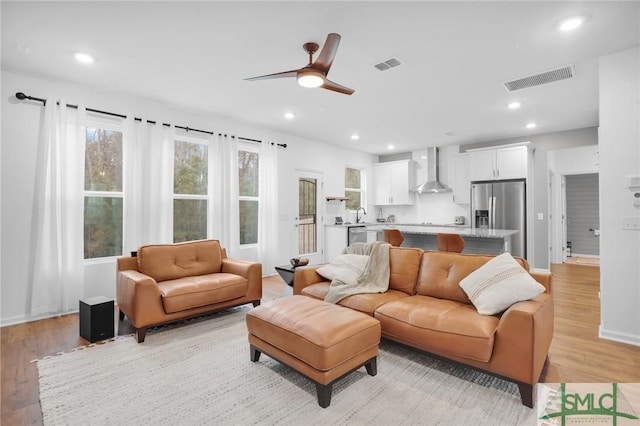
540, 270
21, 319
508, 145
617, 336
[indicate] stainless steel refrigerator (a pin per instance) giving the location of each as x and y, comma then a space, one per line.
502, 205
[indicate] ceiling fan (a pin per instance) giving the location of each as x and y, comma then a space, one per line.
314, 74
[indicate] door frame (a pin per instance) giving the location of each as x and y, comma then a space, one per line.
318, 256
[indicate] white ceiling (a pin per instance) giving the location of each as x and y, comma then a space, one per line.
456, 55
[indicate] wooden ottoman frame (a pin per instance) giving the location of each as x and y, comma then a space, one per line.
321, 341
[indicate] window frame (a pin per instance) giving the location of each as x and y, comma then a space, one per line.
255, 149
199, 197
102, 123
361, 190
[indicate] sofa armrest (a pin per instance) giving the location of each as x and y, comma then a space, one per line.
524, 336
250, 270
138, 296
304, 276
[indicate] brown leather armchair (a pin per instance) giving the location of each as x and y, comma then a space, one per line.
453, 243
393, 237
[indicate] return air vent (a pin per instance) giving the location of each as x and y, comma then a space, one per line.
388, 64
556, 74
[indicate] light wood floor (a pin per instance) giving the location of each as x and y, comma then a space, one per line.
577, 355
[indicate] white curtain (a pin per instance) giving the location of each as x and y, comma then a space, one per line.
268, 206
223, 179
57, 261
148, 183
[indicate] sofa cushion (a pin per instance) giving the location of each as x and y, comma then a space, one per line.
365, 302
441, 272
440, 326
404, 263
498, 284
171, 261
192, 292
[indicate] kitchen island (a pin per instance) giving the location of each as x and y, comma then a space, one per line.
477, 241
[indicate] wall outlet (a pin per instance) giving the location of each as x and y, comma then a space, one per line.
631, 222
540, 216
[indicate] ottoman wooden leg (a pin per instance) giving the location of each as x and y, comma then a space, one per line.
255, 353
372, 366
324, 394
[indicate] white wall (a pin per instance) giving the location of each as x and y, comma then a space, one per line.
619, 136
20, 124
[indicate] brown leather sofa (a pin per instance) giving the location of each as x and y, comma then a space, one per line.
425, 308
169, 282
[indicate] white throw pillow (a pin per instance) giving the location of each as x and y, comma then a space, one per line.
346, 267
498, 284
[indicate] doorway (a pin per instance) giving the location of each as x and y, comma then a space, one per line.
582, 200
308, 220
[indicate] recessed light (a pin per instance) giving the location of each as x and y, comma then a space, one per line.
390, 147
85, 58
355, 137
513, 105
289, 115
571, 24
531, 125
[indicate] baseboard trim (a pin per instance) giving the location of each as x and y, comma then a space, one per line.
616, 336
20, 319
540, 270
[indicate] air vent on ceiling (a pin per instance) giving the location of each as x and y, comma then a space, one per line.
556, 74
388, 64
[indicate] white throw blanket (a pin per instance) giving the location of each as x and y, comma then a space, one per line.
362, 268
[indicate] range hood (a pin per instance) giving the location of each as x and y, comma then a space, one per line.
433, 184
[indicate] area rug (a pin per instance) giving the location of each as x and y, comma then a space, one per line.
199, 373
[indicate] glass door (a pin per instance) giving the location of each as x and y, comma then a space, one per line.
308, 218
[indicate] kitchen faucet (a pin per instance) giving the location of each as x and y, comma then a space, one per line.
357, 213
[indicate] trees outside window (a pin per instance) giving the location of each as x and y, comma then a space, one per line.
353, 188
190, 189
103, 204
248, 177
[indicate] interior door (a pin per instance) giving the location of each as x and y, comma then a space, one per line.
308, 236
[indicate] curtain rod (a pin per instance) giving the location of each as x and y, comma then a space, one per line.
21, 96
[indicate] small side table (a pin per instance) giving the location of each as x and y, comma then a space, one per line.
286, 272
96, 318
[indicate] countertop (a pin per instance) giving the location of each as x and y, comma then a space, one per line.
437, 229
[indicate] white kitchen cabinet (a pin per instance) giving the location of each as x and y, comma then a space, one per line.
461, 181
498, 163
392, 183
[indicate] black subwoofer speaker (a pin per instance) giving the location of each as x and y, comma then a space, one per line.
96, 318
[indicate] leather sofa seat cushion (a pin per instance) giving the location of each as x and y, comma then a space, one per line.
164, 262
366, 302
404, 264
440, 326
441, 272
192, 292
321, 334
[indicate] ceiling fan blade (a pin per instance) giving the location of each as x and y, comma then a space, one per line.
330, 85
328, 53
283, 74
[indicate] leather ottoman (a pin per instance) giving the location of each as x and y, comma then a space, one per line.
320, 340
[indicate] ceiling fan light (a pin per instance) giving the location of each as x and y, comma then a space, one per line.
310, 78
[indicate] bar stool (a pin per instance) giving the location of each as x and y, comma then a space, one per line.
393, 237
451, 243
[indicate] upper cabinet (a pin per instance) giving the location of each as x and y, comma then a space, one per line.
392, 183
498, 163
461, 181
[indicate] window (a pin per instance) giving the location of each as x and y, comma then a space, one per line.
353, 188
102, 193
190, 190
248, 167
